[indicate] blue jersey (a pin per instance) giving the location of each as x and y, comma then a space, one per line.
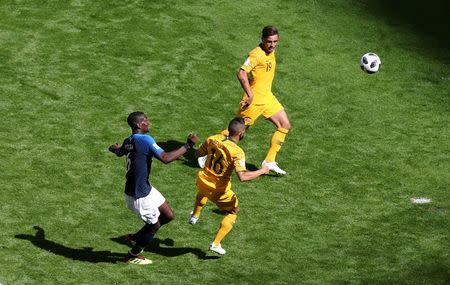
139, 150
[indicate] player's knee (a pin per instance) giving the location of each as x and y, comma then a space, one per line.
169, 216
283, 125
165, 218
286, 125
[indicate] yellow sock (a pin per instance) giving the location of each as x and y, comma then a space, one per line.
225, 227
200, 201
275, 144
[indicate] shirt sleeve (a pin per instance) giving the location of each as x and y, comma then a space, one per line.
122, 149
251, 61
239, 162
153, 146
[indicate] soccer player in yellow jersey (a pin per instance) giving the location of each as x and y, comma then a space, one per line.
214, 180
258, 98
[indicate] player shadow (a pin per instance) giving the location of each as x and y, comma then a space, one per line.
219, 212
169, 251
250, 166
84, 254
188, 158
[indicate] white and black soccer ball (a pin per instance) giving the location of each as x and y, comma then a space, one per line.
370, 63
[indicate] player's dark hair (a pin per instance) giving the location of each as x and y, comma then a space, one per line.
236, 126
269, 31
133, 119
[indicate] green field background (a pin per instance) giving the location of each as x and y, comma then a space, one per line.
361, 146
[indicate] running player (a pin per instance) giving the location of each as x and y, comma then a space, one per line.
214, 180
144, 200
258, 98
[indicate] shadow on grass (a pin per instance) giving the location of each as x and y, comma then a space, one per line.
429, 18
155, 247
219, 212
251, 167
188, 158
84, 254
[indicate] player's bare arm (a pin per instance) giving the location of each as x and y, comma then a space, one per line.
245, 83
167, 157
250, 175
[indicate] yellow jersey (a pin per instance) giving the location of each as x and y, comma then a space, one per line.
262, 70
224, 156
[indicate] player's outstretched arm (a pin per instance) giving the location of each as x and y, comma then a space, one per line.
250, 175
167, 157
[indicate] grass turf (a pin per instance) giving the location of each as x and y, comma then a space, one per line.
361, 145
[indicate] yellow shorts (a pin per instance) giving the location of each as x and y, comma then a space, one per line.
225, 200
270, 107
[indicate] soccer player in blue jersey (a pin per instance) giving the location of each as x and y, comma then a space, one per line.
144, 200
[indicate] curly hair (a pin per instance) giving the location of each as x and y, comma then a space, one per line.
134, 119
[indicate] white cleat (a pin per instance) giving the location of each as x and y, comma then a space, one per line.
201, 161
273, 166
192, 219
218, 249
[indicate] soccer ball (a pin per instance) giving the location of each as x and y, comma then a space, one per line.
370, 63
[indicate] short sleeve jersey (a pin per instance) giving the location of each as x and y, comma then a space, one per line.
262, 70
139, 150
224, 156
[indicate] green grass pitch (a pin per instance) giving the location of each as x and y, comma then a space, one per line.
361, 146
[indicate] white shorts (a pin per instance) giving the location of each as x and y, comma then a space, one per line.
146, 208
